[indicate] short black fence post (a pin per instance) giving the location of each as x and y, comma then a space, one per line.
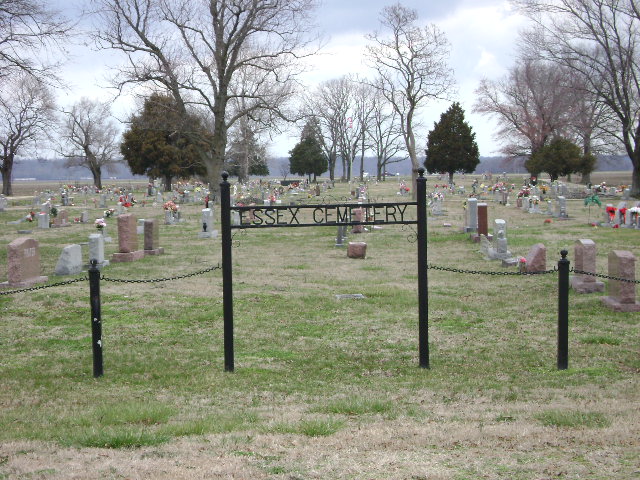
563, 311
96, 320
227, 275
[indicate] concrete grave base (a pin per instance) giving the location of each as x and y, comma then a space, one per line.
615, 305
509, 262
25, 283
155, 251
211, 234
128, 257
357, 250
582, 286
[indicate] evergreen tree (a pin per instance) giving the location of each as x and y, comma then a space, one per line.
163, 143
307, 158
451, 145
560, 157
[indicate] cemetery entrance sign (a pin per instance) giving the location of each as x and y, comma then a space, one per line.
255, 216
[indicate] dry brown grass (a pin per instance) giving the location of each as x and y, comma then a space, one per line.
478, 413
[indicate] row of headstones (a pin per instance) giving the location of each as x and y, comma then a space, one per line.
622, 295
629, 219
532, 205
23, 255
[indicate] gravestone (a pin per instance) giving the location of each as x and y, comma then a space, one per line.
483, 223
359, 217
3, 203
168, 217
626, 194
140, 226
46, 208
561, 207
505, 197
127, 240
96, 250
341, 235
43, 220
537, 258
472, 215
62, 219
23, 263
485, 246
103, 200
70, 260
152, 237
617, 219
622, 295
357, 250
207, 224
526, 203
84, 216
585, 260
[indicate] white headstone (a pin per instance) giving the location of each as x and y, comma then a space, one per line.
96, 249
43, 220
70, 261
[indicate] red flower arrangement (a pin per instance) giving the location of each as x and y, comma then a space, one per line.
623, 213
611, 211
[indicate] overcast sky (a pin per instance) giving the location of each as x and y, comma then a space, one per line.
482, 34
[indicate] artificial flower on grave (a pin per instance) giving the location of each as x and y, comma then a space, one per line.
30, 217
170, 206
547, 220
623, 213
109, 212
522, 264
611, 211
127, 204
100, 223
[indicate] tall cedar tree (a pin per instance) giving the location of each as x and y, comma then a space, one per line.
307, 158
451, 145
560, 157
164, 143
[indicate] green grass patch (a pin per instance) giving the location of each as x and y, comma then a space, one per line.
572, 419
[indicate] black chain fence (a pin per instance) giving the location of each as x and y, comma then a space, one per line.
114, 280
487, 272
541, 272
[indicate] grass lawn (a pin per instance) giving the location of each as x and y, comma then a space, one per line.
324, 388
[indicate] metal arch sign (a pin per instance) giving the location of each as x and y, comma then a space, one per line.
319, 215
280, 216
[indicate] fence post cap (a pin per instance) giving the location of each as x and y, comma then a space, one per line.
564, 254
225, 175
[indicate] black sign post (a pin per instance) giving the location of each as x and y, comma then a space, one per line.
423, 290
386, 213
227, 277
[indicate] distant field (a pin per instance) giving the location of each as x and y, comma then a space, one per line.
27, 188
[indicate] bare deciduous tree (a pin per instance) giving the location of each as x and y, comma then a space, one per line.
197, 48
412, 63
531, 104
385, 136
28, 30
26, 117
90, 138
598, 39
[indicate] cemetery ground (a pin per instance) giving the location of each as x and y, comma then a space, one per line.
322, 388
